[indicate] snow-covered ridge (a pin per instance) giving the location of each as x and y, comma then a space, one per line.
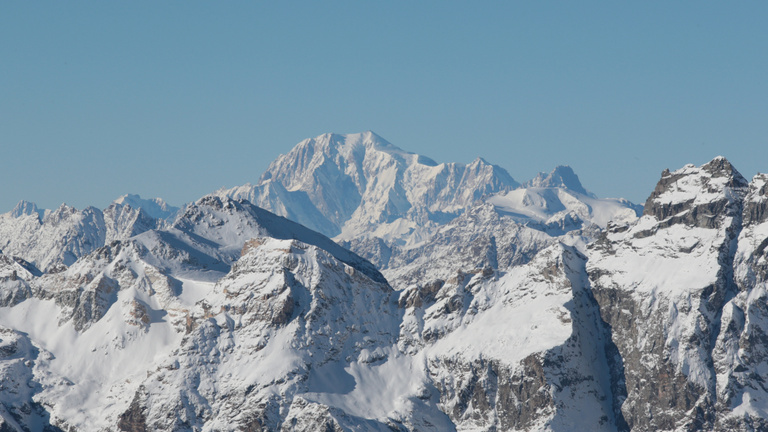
553, 206
51, 238
229, 223
694, 192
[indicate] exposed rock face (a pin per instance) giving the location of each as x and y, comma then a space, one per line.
90, 287
501, 366
741, 350
560, 177
133, 419
14, 282
697, 197
675, 288
274, 323
19, 412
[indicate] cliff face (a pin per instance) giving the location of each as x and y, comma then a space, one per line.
677, 290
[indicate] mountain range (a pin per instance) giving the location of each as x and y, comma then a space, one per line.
359, 287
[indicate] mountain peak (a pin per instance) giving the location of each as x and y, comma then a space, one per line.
26, 208
370, 139
721, 167
713, 186
560, 177
480, 161
323, 181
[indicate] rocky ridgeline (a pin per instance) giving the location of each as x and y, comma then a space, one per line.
51, 239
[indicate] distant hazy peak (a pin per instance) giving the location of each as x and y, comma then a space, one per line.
155, 207
562, 176
347, 144
355, 184
25, 208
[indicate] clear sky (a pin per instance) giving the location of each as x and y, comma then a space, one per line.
178, 98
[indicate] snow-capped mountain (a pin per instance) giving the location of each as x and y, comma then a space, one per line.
495, 306
561, 177
557, 203
360, 185
405, 212
115, 313
294, 338
500, 231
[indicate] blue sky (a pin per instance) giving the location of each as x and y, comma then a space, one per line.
178, 98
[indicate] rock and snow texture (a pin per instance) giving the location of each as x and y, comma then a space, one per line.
293, 338
481, 239
269, 343
683, 290
504, 307
147, 304
51, 239
521, 351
